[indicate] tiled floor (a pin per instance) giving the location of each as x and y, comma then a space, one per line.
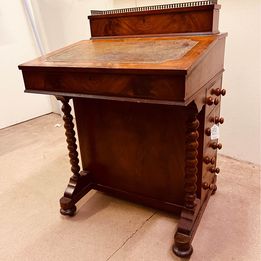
34, 172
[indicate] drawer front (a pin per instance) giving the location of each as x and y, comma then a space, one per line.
211, 147
136, 86
213, 96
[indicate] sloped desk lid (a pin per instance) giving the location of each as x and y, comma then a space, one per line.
176, 54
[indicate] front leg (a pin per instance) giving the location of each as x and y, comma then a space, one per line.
79, 183
183, 237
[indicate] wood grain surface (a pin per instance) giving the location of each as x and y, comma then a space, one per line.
142, 51
105, 54
170, 20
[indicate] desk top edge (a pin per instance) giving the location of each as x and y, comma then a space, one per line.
180, 66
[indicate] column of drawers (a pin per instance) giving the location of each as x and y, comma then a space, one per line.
211, 144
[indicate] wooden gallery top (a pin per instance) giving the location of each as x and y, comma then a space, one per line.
146, 90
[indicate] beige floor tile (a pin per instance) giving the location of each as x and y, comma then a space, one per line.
152, 242
34, 170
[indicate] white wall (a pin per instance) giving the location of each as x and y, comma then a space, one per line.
241, 106
240, 134
16, 46
65, 21
62, 22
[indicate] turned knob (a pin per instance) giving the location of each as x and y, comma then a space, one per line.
208, 131
214, 170
218, 92
216, 101
209, 160
217, 120
209, 101
216, 145
206, 186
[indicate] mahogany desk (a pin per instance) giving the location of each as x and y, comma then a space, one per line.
145, 107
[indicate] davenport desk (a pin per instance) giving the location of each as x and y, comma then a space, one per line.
146, 90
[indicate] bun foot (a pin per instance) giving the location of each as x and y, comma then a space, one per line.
68, 212
183, 253
182, 246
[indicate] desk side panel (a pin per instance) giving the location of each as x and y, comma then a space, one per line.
211, 66
136, 148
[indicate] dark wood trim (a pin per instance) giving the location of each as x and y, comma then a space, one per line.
147, 201
111, 98
79, 183
151, 35
183, 237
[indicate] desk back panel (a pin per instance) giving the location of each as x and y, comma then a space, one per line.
162, 19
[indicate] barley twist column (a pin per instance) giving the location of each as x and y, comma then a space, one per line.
183, 237
70, 136
190, 186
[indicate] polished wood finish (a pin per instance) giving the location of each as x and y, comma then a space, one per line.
116, 133
79, 183
183, 238
218, 92
192, 19
173, 81
146, 99
216, 145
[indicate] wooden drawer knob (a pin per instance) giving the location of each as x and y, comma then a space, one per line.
208, 131
219, 92
216, 101
214, 170
206, 186
221, 120
216, 145
209, 160
209, 101
217, 120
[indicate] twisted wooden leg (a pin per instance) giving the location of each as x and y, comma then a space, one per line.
79, 183
183, 237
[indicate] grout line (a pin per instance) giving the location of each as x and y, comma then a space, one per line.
125, 242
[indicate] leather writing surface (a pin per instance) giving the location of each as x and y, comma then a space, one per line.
139, 51
178, 54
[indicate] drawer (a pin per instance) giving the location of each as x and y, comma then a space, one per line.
208, 178
211, 143
210, 149
213, 96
